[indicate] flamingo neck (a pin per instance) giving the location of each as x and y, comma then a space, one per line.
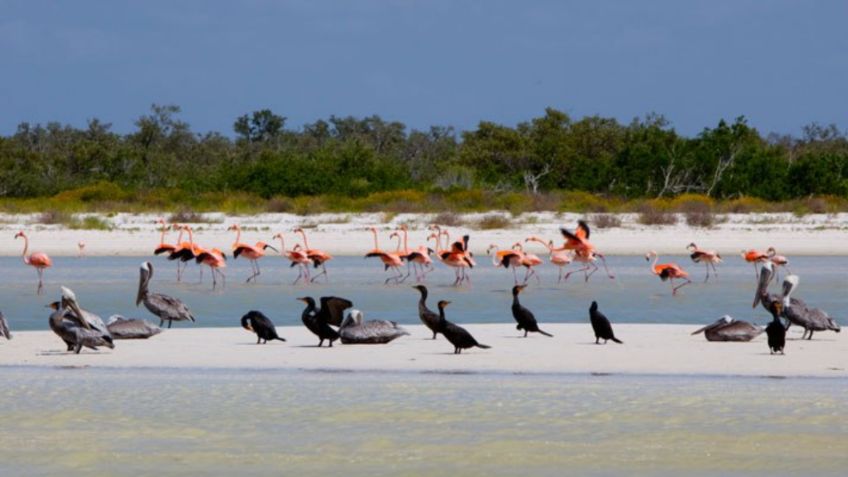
26, 247
405, 237
397, 249
495, 256
282, 245
376, 245
654, 263
162, 234
238, 235
190, 237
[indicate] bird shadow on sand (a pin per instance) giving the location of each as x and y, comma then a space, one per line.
70, 353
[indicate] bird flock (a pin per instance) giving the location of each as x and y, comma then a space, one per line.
79, 328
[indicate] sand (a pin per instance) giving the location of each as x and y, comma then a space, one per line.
648, 349
346, 234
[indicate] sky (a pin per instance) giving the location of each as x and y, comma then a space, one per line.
782, 64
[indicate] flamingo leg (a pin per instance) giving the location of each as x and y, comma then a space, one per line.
559, 278
40, 280
323, 272
715, 271
574, 271
594, 268
606, 269
708, 271
674, 290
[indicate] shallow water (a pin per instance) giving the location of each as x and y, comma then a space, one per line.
194, 422
107, 285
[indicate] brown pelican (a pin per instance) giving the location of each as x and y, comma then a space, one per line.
318, 320
524, 317
67, 322
79, 314
797, 312
427, 316
260, 324
4, 327
601, 325
458, 336
163, 306
356, 331
728, 329
131, 328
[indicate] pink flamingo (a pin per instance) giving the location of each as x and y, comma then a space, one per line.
709, 257
297, 258
668, 271
81, 249
251, 252
560, 258
460, 257
215, 259
318, 257
390, 259
529, 261
779, 261
39, 260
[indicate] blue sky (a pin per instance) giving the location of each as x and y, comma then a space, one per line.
782, 64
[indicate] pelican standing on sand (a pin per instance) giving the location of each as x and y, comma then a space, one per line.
38, 260
524, 317
458, 336
68, 323
601, 325
796, 311
318, 320
164, 306
260, 324
356, 331
428, 317
4, 327
727, 328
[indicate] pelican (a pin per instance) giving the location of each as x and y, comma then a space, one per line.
356, 331
80, 314
163, 306
67, 322
318, 320
4, 327
123, 328
796, 311
727, 328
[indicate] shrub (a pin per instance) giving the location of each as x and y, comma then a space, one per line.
92, 222
700, 218
449, 219
53, 217
605, 221
745, 205
650, 215
494, 221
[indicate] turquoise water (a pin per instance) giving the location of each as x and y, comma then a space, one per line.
156, 422
107, 285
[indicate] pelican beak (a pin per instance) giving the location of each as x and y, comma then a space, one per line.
301, 299
762, 285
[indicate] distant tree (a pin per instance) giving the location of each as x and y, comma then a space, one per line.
260, 126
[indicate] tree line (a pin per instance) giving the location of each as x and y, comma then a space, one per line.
353, 157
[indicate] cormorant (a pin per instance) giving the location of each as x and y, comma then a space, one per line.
260, 324
775, 330
601, 325
356, 331
318, 320
458, 336
524, 317
163, 306
428, 316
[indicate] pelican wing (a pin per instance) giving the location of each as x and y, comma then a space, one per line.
168, 308
333, 307
4, 328
131, 329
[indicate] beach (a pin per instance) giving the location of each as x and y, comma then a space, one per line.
648, 350
347, 234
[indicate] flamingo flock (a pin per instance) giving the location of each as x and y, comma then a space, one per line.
402, 260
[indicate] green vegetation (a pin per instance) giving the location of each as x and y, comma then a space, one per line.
552, 162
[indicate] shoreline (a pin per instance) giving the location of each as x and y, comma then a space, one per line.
346, 234
649, 349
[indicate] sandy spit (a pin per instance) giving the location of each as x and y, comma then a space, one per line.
648, 349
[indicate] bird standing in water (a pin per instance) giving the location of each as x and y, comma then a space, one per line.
601, 325
524, 317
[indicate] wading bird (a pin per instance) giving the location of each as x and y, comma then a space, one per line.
81, 249
260, 324
297, 258
390, 260
318, 257
215, 259
37, 260
163, 306
584, 251
354, 330
708, 257
453, 257
251, 252
458, 336
779, 261
668, 271
561, 258
754, 257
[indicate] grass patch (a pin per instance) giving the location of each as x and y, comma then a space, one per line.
449, 219
494, 221
187, 216
605, 221
651, 215
92, 222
